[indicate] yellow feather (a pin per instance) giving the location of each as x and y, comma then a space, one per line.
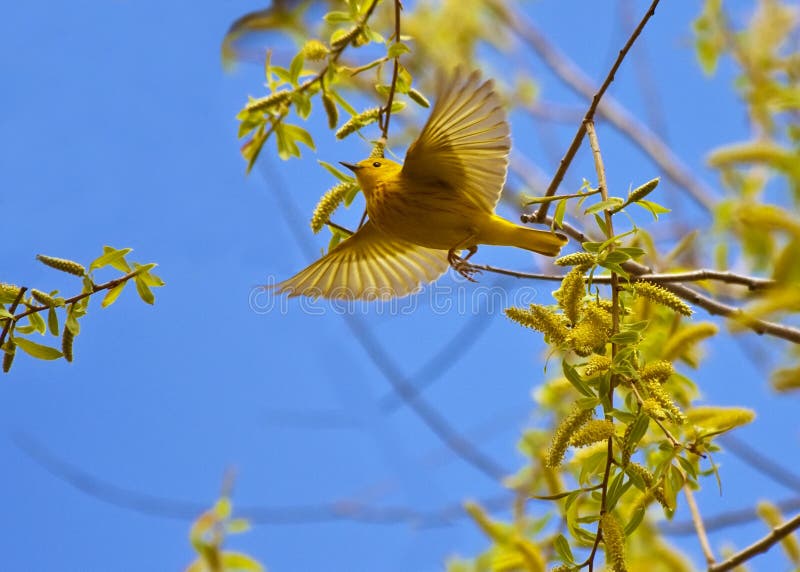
424, 212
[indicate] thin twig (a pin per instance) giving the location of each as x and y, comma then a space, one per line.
775, 536
387, 111
95, 289
697, 520
610, 109
603, 187
752, 282
11, 310
576, 142
725, 519
710, 305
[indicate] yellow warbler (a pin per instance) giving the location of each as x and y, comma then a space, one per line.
423, 213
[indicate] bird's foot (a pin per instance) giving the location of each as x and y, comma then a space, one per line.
461, 266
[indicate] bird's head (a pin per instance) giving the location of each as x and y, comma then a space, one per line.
370, 172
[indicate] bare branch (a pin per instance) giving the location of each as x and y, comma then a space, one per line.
610, 109
699, 527
775, 536
11, 310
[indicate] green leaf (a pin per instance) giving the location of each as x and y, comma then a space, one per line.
575, 379
5, 313
558, 215
37, 322
607, 204
638, 431
302, 104
238, 561
418, 98
297, 133
631, 251
624, 338
634, 521
72, 321
336, 172
237, 525
38, 351
397, 49
654, 208
601, 223
112, 257
336, 17
592, 246
144, 291
296, 67
112, 295
563, 549
52, 321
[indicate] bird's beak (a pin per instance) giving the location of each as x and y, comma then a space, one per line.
350, 166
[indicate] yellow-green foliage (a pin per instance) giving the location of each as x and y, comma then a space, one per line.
657, 371
682, 342
358, 121
771, 514
786, 379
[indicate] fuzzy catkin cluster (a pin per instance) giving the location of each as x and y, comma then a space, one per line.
272, 100
62, 264
662, 296
564, 433
329, 202
358, 121
614, 541
541, 319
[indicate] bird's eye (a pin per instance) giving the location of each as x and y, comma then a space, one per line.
376, 164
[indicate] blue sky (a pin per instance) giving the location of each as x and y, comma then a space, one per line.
119, 129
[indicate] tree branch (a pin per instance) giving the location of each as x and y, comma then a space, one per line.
11, 310
578, 139
697, 520
658, 151
775, 536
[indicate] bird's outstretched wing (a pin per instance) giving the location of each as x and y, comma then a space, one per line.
368, 266
465, 142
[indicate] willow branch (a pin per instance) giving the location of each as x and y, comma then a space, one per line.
658, 151
589, 116
387, 111
11, 310
710, 305
775, 536
752, 282
699, 527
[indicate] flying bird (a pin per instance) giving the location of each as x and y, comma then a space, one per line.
425, 212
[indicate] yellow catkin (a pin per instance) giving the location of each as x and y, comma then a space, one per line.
597, 364
637, 470
8, 355
651, 408
541, 319
330, 110
43, 298
329, 202
642, 191
786, 379
662, 296
358, 121
773, 517
686, 338
593, 431
315, 50
627, 450
664, 400
418, 98
658, 371
62, 264
571, 293
576, 259
272, 100
563, 434
9, 291
614, 542
593, 331
351, 35
378, 149
67, 341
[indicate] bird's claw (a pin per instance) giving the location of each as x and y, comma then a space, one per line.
463, 267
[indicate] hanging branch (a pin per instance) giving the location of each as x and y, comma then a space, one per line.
775, 536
